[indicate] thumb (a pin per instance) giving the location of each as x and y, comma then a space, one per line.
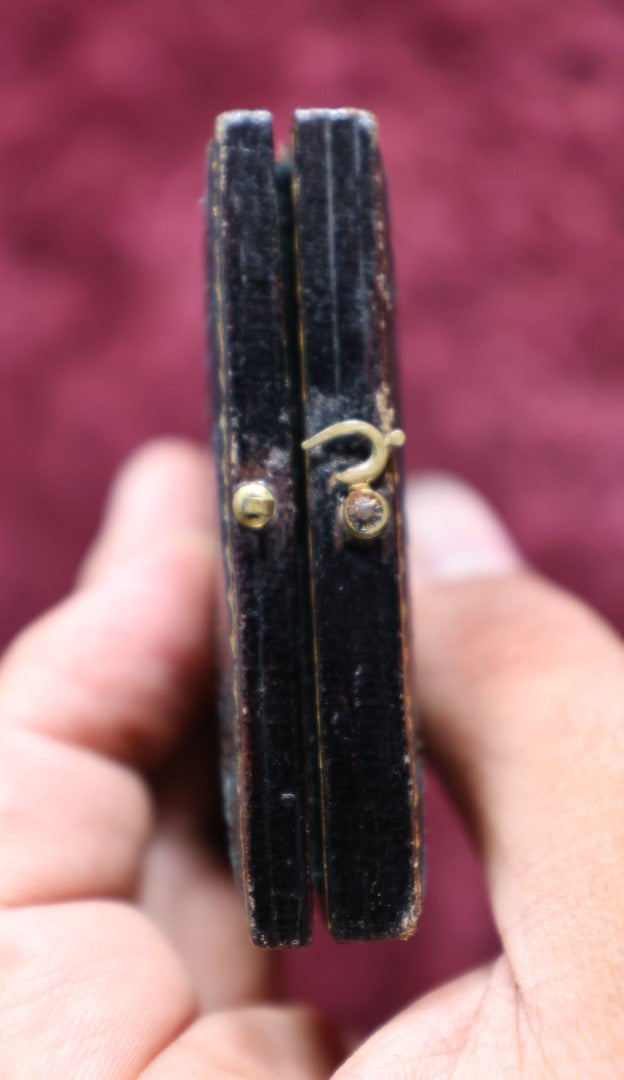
522, 690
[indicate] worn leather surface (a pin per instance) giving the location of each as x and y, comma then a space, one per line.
369, 789
264, 775
303, 599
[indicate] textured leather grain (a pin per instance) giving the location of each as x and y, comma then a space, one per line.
370, 795
261, 703
319, 759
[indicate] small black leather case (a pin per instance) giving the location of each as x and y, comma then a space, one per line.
320, 762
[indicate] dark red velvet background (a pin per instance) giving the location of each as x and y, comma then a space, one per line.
502, 129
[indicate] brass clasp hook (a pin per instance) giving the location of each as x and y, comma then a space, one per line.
364, 513
365, 471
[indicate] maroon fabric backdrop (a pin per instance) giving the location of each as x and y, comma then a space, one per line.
501, 127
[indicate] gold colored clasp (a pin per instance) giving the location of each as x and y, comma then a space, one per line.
364, 513
366, 471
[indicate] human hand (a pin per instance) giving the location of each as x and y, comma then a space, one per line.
124, 950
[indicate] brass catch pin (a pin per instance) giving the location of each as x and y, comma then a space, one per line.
254, 505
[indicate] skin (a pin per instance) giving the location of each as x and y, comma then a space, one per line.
122, 945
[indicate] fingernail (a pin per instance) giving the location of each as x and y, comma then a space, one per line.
454, 534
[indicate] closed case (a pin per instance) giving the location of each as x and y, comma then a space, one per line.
320, 769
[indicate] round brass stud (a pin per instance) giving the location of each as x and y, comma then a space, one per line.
254, 505
364, 513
